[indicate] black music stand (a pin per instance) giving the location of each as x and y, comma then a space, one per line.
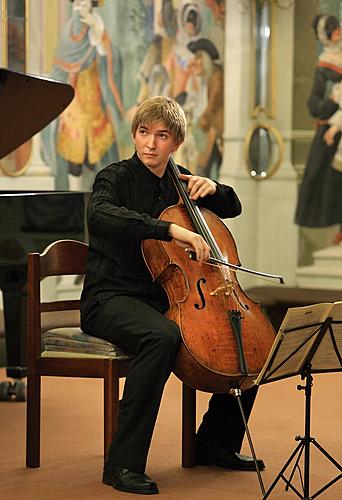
309, 341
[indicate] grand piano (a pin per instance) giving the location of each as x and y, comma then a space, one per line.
29, 221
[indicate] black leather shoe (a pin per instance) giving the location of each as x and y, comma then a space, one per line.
129, 481
215, 455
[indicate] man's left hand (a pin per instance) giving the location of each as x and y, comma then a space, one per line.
198, 187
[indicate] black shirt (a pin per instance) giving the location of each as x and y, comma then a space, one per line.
126, 202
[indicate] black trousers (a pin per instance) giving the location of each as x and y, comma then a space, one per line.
140, 329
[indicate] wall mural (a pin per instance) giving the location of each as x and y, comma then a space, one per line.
319, 205
115, 54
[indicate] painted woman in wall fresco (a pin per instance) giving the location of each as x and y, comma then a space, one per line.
83, 139
189, 24
320, 200
335, 127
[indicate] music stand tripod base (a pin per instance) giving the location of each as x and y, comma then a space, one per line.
308, 341
304, 447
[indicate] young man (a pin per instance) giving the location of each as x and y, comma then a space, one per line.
122, 304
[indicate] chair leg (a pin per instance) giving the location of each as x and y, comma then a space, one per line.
33, 421
188, 426
111, 401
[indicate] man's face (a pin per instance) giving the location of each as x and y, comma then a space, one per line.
154, 144
197, 63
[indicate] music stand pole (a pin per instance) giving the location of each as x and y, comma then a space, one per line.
237, 394
306, 374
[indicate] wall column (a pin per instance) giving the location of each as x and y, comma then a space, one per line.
265, 233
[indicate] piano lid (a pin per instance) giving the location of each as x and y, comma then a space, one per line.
27, 104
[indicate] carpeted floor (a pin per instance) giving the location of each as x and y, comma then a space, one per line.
71, 459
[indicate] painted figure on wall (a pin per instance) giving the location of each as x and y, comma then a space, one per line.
207, 68
335, 127
143, 47
319, 200
178, 63
83, 139
216, 30
182, 62
152, 75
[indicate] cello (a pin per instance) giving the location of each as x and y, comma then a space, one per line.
226, 337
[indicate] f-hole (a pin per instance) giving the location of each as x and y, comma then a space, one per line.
200, 292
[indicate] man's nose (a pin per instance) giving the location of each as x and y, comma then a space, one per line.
151, 142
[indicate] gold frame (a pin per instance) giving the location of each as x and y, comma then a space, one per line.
279, 141
269, 110
4, 17
4, 32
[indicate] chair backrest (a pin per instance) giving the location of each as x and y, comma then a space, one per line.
62, 257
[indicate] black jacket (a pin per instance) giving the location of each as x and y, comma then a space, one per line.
126, 202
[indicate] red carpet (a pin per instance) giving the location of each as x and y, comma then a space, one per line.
71, 446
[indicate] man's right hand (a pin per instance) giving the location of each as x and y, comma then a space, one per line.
191, 241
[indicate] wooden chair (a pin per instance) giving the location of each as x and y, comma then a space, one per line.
69, 257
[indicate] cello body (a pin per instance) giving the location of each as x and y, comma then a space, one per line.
226, 337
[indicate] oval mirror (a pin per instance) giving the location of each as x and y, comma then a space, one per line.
263, 151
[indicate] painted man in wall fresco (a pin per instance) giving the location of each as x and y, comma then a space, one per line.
83, 139
206, 66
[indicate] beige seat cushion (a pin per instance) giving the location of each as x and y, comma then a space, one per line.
74, 343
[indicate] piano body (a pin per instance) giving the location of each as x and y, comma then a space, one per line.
29, 221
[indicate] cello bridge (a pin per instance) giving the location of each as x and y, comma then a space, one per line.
226, 288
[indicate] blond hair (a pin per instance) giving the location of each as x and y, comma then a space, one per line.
161, 109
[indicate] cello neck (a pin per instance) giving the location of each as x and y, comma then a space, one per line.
194, 211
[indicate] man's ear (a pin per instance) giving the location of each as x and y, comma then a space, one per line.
176, 146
